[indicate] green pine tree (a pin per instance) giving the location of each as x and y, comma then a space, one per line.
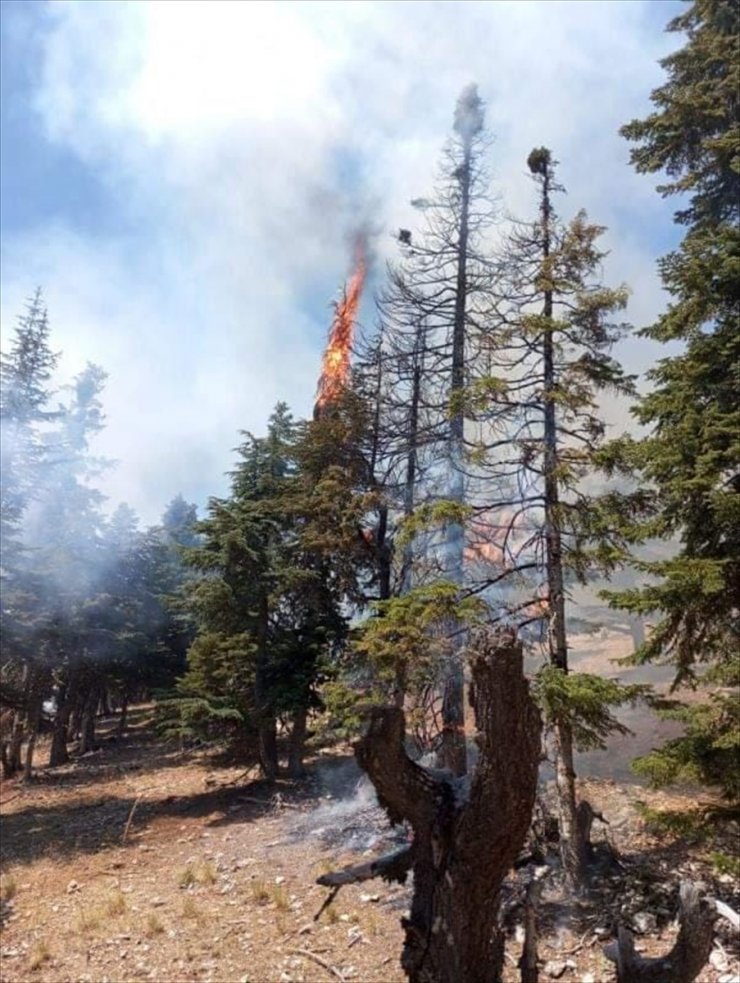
691, 456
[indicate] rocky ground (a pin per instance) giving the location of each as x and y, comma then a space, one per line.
139, 862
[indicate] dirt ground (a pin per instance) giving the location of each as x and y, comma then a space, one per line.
140, 862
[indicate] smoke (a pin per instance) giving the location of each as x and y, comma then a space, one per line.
208, 164
349, 817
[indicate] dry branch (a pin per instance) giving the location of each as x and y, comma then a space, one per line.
686, 959
307, 954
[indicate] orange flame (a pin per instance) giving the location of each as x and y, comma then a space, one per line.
335, 364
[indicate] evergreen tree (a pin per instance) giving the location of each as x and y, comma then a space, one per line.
691, 457
25, 415
541, 439
267, 601
431, 311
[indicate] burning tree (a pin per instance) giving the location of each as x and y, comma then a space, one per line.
337, 358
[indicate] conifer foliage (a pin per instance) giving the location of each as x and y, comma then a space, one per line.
690, 459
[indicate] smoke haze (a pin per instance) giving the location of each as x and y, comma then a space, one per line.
184, 181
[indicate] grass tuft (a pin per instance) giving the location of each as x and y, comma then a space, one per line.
190, 909
8, 888
260, 891
154, 924
115, 904
39, 954
202, 872
87, 920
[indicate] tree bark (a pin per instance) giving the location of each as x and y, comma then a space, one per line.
467, 833
297, 743
34, 719
87, 726
528, 961
66, 697
686, 959
123, 719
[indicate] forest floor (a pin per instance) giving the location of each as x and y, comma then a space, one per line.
140, 862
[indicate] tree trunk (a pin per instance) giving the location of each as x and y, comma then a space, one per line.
13, 759
686, 959
75, 720
528, 961
34, 719
15, 745
297, 744
87, 726
58, 755
104, 709
123, 719
467, 832
571, 849
453, 753
266, 722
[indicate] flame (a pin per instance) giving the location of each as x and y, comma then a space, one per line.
335, 364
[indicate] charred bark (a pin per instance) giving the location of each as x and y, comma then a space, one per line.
686, 959
528, 959
467, 832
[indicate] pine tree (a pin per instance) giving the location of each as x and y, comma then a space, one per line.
25, 414
541, 438
431, 314
267, 601
691, 457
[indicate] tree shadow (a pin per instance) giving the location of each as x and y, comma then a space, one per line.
67, 830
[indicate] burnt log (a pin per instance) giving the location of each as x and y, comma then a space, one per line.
467, 831
688, 956
391, 867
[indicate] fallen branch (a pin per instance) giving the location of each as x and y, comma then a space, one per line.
727, 912
685, 960
137, 800
307, 954
327, 901
391, 867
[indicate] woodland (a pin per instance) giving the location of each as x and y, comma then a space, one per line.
402, 569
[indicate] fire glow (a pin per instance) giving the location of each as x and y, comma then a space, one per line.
335, 364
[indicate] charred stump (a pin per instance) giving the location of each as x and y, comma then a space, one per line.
466, 831
686, 959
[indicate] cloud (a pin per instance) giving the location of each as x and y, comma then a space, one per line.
240, 144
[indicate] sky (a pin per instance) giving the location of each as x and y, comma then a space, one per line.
184, 180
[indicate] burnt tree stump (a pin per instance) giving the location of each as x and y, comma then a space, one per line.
466, 831
688, 956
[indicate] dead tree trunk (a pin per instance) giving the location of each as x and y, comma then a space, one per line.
467, 832
686, 959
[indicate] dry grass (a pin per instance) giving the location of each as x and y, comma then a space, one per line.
8, 888
201, 872
190, 909
260, 891
87, 920
154, 925
40, 953
279, 897
115, 904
